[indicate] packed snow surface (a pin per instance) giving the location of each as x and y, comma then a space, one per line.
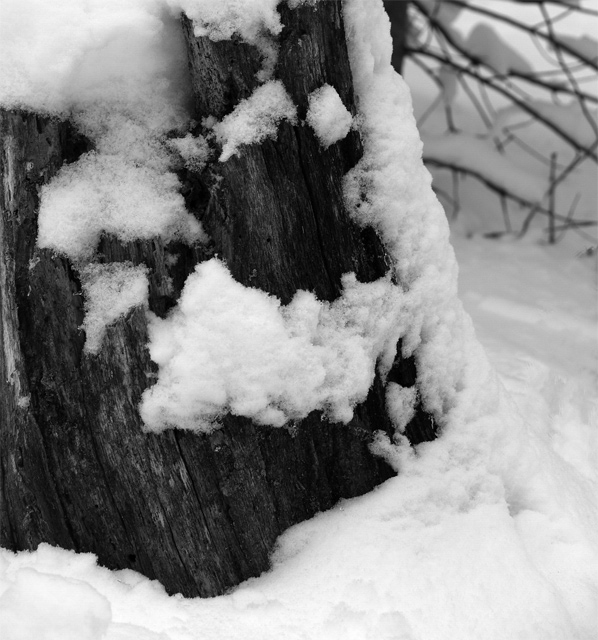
328, 116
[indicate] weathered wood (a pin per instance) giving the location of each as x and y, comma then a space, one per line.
198, 512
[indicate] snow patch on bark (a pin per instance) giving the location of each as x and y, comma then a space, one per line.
229, 348
328, 116
111, 291
255, 119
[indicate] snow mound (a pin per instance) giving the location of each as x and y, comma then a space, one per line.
328, 116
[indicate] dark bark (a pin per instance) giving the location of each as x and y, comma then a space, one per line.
198, 512
399, 24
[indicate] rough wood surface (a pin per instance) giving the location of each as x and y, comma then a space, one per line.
198, 512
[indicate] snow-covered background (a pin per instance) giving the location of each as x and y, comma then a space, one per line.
488, 532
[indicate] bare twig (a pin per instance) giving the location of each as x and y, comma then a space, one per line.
522, 104
476, 8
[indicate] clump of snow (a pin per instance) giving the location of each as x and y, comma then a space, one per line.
104, 193
223, 19
485, 44
255, 119
194, 150
110, 291
228, 348
255, 21
327, 115
400, 403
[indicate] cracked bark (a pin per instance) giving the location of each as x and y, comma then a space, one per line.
198, 512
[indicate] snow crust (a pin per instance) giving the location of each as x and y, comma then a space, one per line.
255, 119
228, 348
110, 291
328, 116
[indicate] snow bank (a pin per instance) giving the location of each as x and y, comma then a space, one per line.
228, 348
110, 291
327, 115
255, 119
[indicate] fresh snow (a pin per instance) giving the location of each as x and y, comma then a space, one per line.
194, 151
229, 348
327, 115
255, 119
110, 292
107, 193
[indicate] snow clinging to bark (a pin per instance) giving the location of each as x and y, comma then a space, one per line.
110, 291
229, 348
255, 119
328, 116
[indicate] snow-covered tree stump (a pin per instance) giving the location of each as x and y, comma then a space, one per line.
199, 512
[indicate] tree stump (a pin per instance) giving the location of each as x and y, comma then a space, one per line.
199, 512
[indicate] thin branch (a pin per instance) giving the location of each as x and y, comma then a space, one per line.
536, 31
522, 104
491, 184
570, 77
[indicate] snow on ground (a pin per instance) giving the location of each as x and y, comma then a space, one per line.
454, 547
